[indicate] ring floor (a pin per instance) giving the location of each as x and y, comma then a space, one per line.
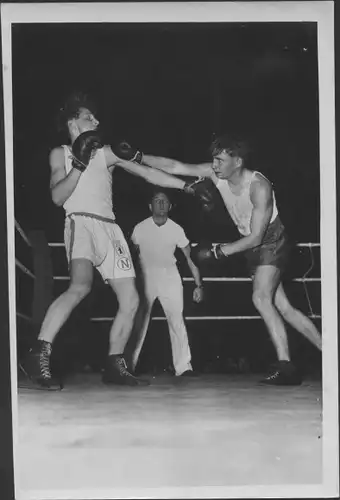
214, 430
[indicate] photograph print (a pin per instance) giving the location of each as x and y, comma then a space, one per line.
171, 227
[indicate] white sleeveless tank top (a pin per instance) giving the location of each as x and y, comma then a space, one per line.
93, 193
240, 206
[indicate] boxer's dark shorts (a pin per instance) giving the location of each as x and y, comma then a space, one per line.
273, 251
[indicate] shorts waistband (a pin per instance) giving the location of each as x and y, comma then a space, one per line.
92, 216
274, 230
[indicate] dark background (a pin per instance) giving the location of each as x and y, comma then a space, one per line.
168, 88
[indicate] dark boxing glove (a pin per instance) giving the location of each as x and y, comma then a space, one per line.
203, 191
127, 152
206, 254
83, 149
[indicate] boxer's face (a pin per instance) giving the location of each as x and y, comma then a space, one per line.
85, 121
160, 205
225, 165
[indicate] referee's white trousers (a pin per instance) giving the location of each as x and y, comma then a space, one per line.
166, 285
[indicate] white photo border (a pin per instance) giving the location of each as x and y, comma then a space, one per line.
207, 12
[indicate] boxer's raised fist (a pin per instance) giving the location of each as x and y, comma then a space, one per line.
83, 149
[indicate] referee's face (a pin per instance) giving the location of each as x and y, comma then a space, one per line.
160, 204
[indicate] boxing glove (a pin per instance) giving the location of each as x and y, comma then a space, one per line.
83, 149
205, 254
125, 151
204, 193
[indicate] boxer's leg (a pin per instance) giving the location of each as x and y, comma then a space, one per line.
38, 362
265, 283
81, 275
116, 371
128, 301
81, 258
296, 318
116, 268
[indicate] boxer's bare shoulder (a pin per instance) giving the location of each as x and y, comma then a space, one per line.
57, 165
57, 156
110, 158
261, 186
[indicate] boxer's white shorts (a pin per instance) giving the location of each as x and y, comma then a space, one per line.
102, 242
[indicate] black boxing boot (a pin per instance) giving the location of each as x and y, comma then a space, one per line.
189, 374
38, 366
116, 372
285, 373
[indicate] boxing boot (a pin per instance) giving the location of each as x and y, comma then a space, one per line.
116, 372
285, 373
38, 366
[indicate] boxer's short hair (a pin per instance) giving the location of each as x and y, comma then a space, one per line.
233, 145
71, 109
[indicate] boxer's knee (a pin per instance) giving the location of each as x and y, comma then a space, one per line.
262, 299
285, 308
78, 292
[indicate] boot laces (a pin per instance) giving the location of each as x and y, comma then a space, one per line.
44, 360
123, 367
273, 376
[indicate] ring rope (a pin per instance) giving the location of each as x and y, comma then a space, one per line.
24, 268
27, 241
41, 273
28, 273
22, 233
24, 316
193, 318
65, 278
304, 283
304, 279
310, 245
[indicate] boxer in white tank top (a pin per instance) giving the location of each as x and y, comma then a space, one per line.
239, 205
250, 201
92, 238
94, 189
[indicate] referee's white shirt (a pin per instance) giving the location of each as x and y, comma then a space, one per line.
157, 244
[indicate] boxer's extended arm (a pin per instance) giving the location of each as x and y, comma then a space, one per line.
262, 199
151, 175
62, 185
175, 167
